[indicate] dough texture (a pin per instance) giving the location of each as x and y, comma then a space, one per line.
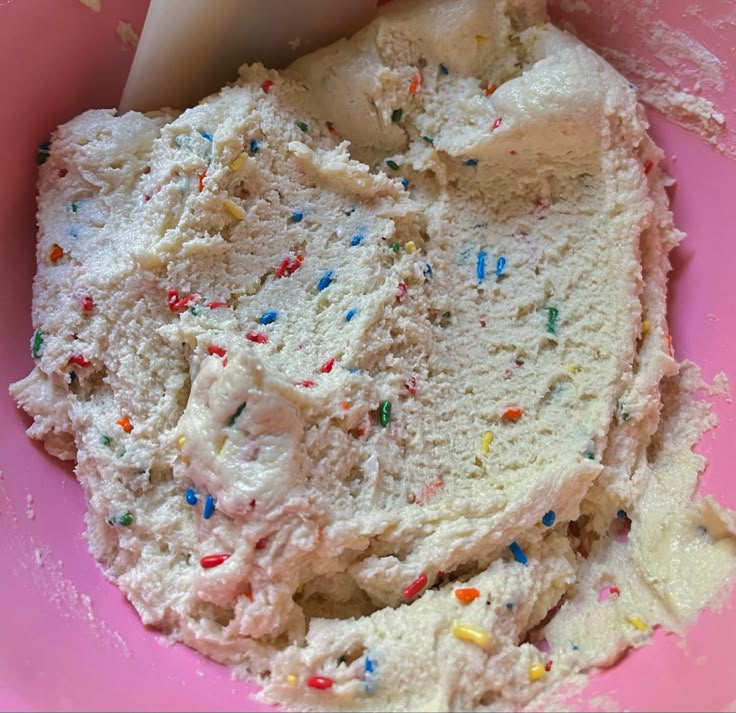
386, 332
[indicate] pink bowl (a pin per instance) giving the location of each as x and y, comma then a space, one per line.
70, 640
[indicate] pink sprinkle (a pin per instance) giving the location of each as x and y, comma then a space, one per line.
217, 305
429, 490
326, 368
411, 385
543, 646
606, 592
257, 337
496, 124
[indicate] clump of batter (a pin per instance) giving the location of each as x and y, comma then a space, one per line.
366, 368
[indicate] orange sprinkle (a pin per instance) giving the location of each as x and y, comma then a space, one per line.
201, 180
416, 81
467, 594
125, 424
512, 414
490, 89
345, 405
56, 253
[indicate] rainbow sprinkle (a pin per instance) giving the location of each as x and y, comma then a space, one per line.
485, 442
125, 520
536, 672
470, 162
384, 413
209, 508
325, 280
415, 587
254, 146
125, 424
500, 266
549, 518
37, 344
297, 217
473, 634
351, 313
191, 496
303, 126
396, 115
552, 314
268, 317
321, 683
356, 240
467, 594
209, 561
444, 69
481, 266
237, 413
392, 164
518, 553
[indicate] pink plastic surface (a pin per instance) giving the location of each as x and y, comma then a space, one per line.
69, 639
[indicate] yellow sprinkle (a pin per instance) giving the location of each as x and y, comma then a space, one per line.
292, 680
481, 39
485, 441
646, 327
573, 368
536, 672
410, 247
234, 209
476, 636
638, 623
182, 440
238, 162
222, 447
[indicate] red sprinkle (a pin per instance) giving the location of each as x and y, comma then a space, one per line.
490, 89
214, 349
512, 414
87, 304
79, 360
261, 544
402, 292
411, 385
56, 253
266, 86
415, 587
548, 666
326, 368
320, 682
496, 124
217, 305
429, 490
201, 180
176, 304
331, 128
416, 82
614, 590
209, 561
648, 166
257, 337
289, 265
306, 383
62, 172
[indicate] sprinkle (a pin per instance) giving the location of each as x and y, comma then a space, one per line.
87, 304
467, 594
289, 266
481, 266
254, 146
395, 247
485, 441
621, 514
257, 337
209, 508
79, 360
326, 368
401, 294
41, 157
428, 139
648, 166
470, 162
191, 496
552, 314
509, 605
37, 344
392, 164
518, 553
262, 543
500, 266
405, 182
549, 518
496, 124
573, 368
638, 623
548, 666
396, 115
411, 385
205, 135
415, 587
384, 413
646, 327
125, 424
213, 350
307, 383
62, 172
481, 39
234, 209
475, 635
427, 272
444, 69
201, 176
614, 590
321, 683
292, 679
176, 304
351, 313
536, 672
512, 414
268, 317
237, 163
126, 520
266, 86
356, 240
325, 280
56, 253
181, 441
330, 128
490, 89
303, 126
237, 413
105, 440
416, 82
210, 561
297, 217
74, 206
344, 405
670, 349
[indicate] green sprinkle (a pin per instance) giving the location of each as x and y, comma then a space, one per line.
37, 344
428, 139
302, 125
552, 314
234, 417
392, 164
74, 206
590, 455
41, 157
384, 413
396, 115
105, 440
395, 247
126, 520
446, 315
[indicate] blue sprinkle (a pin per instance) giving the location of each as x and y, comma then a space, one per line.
209, 507
518, 553
427, 271
253, 146
325, 280
481, 267
369, 666
351, 313
268, 317
355, 371
405, 182
471, 162
621, 514
45, 146
191, 496
297, 217
500, 266
356, 240
444, 69
549, 518
206, 135
510, 606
